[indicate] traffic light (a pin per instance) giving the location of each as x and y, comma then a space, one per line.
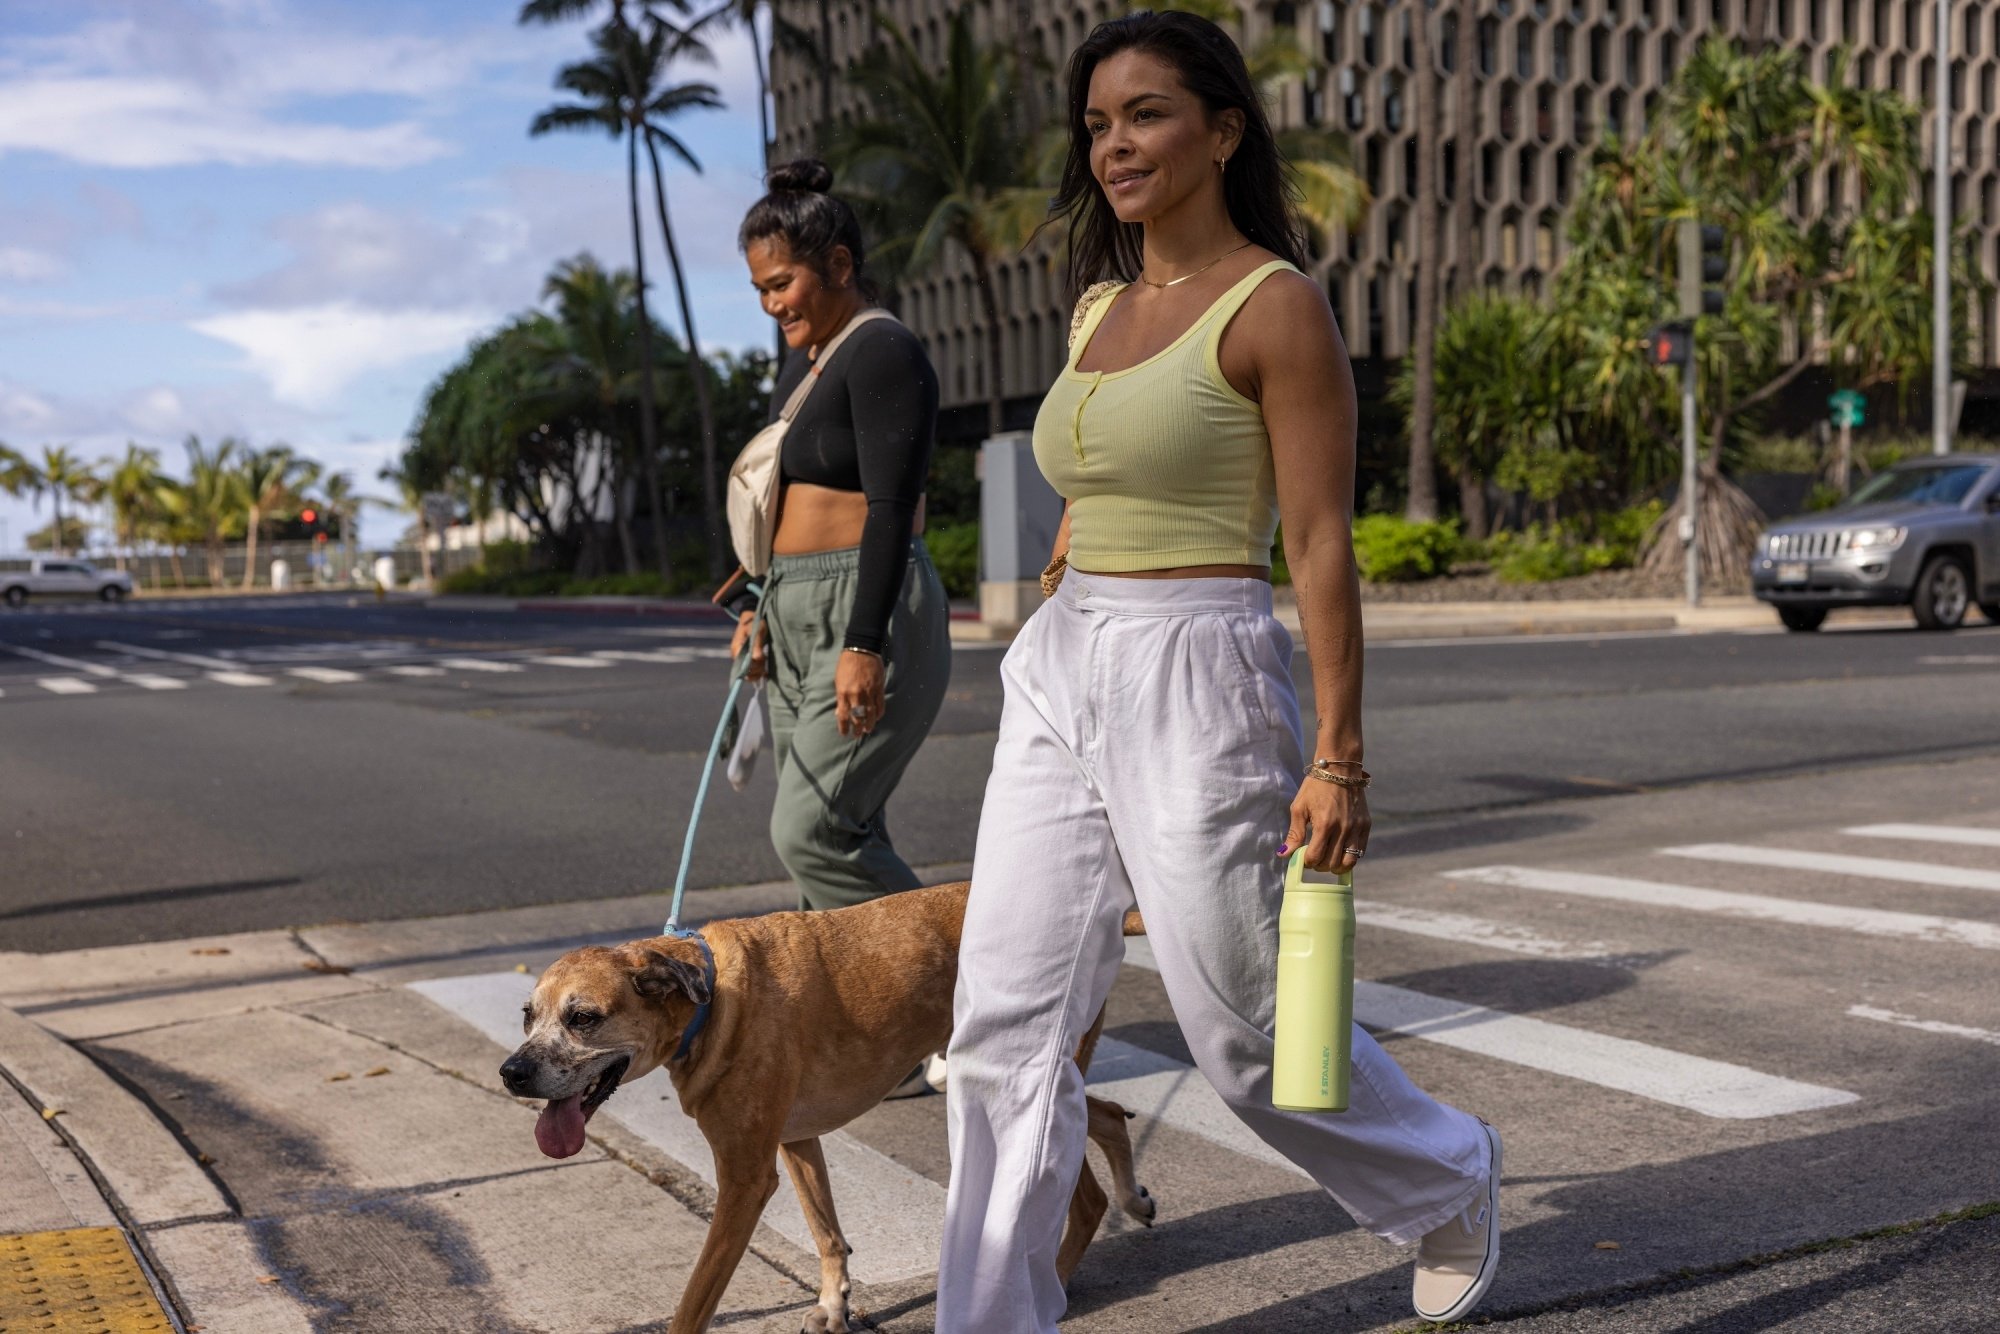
1670, 345
309, 517
1704, 264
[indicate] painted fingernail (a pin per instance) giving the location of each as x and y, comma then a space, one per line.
1284, 848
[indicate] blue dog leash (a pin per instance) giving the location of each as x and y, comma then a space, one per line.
674, 928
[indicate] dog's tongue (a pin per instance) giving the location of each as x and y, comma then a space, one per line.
559, 1129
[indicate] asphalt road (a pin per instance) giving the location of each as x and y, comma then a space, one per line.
174, 768
1704, 925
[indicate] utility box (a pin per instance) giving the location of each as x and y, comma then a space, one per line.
281, 576
1019, 513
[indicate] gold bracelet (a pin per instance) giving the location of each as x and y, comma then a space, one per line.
1320, 764
1341, 780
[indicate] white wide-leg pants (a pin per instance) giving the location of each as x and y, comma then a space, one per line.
1149, 748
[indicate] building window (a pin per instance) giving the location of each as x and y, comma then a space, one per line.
1524, 51
1525, 171
1632, 63
1600, 55
1510, 242
1559, 52
1489, 40
1579, 114
1563, 156
1371, 21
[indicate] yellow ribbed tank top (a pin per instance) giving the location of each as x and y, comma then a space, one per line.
1163, 463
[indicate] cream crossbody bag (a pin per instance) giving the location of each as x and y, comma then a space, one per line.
753, 479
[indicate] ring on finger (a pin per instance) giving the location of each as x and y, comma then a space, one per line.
1356, 853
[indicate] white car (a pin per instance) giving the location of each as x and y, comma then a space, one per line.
58, 577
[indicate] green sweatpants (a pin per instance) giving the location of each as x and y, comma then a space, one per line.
829, 824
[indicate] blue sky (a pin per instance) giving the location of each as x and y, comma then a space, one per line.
280, 219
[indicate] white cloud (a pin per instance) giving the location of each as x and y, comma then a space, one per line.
310, 354
134, 122
22, 264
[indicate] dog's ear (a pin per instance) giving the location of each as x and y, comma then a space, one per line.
659, 975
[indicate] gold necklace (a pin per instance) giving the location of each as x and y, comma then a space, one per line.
1175, 282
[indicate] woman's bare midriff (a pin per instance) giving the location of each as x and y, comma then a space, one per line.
819, 518
1188, 572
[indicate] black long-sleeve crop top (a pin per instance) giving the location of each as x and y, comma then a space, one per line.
868, 426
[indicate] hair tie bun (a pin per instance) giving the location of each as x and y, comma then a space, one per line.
806, 175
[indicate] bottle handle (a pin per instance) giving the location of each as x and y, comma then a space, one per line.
1295, 873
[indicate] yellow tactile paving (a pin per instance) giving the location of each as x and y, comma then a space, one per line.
78, 1281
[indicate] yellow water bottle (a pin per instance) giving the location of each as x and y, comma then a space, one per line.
1315, 1029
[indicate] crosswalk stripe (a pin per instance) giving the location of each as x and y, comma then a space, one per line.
893, 1217
332, 676
167, 655
666, 655
149, 681
414, 669
1925, 1025
569, 660
233, 678
1473, 931
478, 665
1163, 1089
66, 685
1710, 1087
1795, 912
1931, 833
1877, 868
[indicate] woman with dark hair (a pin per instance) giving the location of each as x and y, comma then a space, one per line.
1150, 745
858, 651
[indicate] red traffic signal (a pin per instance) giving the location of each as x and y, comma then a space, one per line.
308, 516
1670, 345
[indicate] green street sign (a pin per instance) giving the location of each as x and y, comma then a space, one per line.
1849, 407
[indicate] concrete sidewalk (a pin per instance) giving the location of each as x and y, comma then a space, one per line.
268, 1132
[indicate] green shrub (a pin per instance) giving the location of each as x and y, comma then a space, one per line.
954, 550
1823, 496
1623, 532
1392, 549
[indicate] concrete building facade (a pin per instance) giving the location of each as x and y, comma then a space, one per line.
1554, 75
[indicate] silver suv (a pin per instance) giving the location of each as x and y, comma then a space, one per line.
1924, 534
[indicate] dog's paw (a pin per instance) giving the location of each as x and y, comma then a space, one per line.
1142, 1208
820, 1320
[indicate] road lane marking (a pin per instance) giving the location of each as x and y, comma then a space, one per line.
66, 685
478, 665
1875, 868
1759, 907
150, 681
1439, 926
1164, 1089
168, 655
414, 669
665, 655
332, 676
1925, 1025
1710, 1087
239, 679
1931, 833
569, 660
893, 1217
144, 680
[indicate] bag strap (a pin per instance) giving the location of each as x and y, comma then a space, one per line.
1085, 303
805, 385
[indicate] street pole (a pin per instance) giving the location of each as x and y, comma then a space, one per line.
1941, 240
1690, 479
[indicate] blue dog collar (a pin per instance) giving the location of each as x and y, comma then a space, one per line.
693, 1030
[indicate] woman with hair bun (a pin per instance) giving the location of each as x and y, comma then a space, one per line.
858, 654
1150, 746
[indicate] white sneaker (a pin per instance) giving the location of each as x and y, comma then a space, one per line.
1456, 1262
914, 1085
934, 1071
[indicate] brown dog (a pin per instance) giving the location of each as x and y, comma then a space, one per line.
812, 1018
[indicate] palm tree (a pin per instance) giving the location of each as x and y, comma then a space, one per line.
659, 105
344, 503
945, 157
60, 475
271, 481
136, 489
1422, 506
411, 489
211, 501
617, 86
